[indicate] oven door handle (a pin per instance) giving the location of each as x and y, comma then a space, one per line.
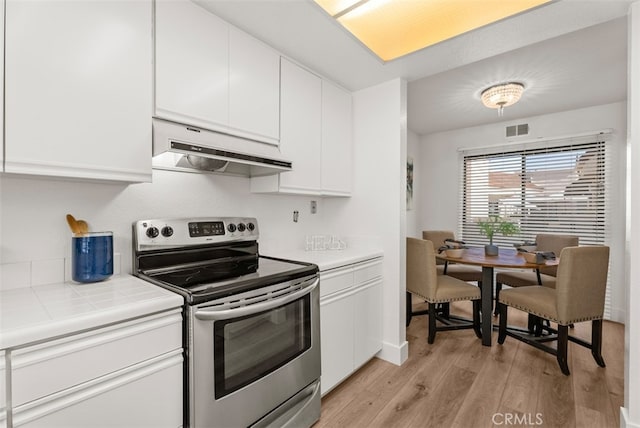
215, 315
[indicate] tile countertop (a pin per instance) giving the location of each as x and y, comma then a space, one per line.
330, 259
31, 314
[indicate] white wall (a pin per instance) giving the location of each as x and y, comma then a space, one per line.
440, 158
630, 414
377, 207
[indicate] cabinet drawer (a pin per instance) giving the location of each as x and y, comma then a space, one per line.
43, 369
367, 271
148, 394
335, 280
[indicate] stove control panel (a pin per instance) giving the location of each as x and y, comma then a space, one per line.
184, 232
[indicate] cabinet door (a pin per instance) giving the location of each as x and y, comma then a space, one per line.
336, 141
254, 87
192, 64
300, 138
367, 305
336, 341
78, 91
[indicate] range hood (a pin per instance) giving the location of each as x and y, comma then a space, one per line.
187, 148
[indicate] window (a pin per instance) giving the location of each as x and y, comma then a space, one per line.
554, 187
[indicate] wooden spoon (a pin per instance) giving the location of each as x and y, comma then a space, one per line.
83, 227
73, 224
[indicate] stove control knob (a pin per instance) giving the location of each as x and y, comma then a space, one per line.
167, 231
231, 227
251, 227
153, 232
241, 227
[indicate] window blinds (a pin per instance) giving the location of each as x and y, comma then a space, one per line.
552, 186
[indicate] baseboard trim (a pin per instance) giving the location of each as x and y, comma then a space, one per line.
624, 419
393, 353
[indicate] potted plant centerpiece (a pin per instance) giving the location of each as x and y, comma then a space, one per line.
492, 225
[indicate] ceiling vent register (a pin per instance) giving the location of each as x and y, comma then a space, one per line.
517, 130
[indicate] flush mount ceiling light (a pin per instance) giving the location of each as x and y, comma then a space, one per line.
393, 28
502, 95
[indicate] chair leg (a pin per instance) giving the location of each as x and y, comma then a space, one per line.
502, 327
409, 309
537, 327
563, 342
498, 289
476, 318
596, 342
534, 324
445, 310
432, 323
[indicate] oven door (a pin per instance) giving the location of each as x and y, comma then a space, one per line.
251, 352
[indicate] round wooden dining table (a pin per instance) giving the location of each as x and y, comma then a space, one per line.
506, 258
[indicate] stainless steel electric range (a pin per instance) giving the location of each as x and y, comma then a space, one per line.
251, 323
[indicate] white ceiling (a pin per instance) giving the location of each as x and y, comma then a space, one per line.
569, 54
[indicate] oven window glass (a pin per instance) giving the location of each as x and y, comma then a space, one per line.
248, 348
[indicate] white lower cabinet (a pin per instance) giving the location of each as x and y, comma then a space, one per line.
368, 322
350, 319
146, 395
129, 374
336, 340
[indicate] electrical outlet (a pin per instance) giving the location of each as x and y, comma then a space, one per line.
314, 207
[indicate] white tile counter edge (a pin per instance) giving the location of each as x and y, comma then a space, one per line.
330, 259
127, 297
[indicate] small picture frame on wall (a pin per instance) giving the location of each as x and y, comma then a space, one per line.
409, 183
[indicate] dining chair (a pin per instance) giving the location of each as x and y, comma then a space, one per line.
578, 296
546, 276
461, 272
424, 282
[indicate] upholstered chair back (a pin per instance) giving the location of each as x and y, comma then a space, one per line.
581, 283
437, 237
422, 275
555, 243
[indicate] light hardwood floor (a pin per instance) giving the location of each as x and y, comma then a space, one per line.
457, 382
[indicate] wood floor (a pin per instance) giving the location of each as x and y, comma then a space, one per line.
457, 382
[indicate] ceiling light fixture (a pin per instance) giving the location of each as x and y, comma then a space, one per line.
394, 28
502, 95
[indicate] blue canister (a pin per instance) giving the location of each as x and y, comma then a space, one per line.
92, 256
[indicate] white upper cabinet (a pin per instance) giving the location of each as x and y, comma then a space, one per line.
78, 92
192, 64
300, 133
336, 141
212, 75
315, 134
300, 127
254, 86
